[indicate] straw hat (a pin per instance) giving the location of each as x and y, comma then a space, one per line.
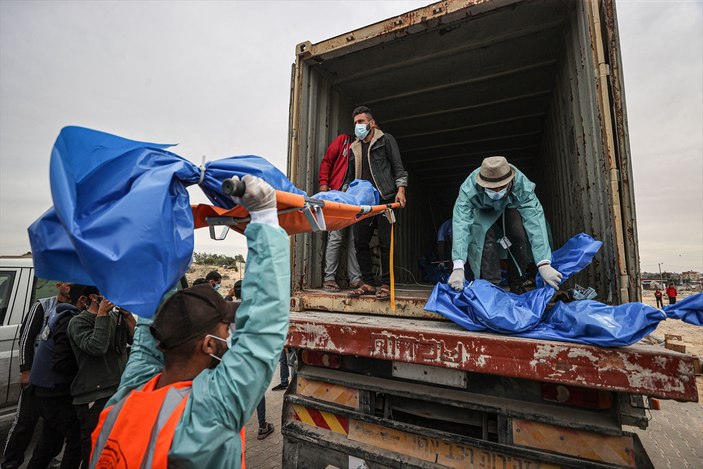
495, 172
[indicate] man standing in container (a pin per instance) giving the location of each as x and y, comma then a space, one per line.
333, 170
375, 157
497, 209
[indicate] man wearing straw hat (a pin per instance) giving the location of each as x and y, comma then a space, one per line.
497, 210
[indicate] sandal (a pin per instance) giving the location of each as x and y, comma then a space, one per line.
364, 289
384, 293
331, 286
356, 284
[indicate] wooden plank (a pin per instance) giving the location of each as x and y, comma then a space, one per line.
447, 453
334, 393
603, 448
676, 346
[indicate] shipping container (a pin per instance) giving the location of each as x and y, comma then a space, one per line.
540, 82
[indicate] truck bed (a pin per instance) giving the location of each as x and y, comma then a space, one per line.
637, 369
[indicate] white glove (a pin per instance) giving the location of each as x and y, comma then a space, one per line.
456, 279
550, 275
259, 195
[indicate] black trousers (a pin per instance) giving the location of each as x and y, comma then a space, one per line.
660, 303
88, 416
490, 260
672, 300
22, 430
363, 232
60, 424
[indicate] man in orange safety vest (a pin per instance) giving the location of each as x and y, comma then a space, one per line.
186, 395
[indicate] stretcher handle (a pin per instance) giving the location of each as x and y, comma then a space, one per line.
234, 187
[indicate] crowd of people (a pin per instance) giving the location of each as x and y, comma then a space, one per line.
73, 350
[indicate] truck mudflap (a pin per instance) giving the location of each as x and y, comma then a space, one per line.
635, 369
321, 435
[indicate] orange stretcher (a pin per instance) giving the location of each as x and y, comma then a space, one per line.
296, 214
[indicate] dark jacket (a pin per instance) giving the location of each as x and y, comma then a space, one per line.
384, 161
32, 324
100, 360
54, 365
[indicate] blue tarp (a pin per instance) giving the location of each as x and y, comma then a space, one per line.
482, 306
122, 220
689, 310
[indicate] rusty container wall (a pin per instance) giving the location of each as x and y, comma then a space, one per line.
457, 81
573, 189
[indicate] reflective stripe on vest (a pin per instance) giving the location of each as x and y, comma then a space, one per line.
137, 432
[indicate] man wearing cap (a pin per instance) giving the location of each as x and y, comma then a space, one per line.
497, 208
185, 395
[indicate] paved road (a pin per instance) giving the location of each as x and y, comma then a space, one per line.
674, 439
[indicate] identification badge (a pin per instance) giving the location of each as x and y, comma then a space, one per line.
505, 242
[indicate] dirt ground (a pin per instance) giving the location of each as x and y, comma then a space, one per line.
691, 335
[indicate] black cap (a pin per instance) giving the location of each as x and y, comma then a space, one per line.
189, 314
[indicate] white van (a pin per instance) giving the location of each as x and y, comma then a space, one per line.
19, 288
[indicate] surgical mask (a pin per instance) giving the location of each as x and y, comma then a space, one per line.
496, 195
216, 286
362, 131
226, 341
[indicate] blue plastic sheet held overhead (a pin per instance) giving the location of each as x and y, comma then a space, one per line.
482, 306
121, 218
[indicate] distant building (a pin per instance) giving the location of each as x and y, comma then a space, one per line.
690, 276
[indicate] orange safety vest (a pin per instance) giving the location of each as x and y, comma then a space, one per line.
138, 431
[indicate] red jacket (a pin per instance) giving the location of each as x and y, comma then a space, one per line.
671, 292
333, 168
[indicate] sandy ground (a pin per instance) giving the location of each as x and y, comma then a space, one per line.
691, 335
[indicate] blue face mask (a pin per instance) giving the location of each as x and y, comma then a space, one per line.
216, 286
361, 131
496, 195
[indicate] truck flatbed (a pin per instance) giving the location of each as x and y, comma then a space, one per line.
637, 369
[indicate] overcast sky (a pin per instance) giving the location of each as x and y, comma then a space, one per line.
215, 78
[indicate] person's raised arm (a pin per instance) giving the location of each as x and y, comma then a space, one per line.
235, 387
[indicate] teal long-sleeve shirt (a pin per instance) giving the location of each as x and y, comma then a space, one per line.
222, 399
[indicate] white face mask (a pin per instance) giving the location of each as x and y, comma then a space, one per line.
226, 341
361, 130
496, 195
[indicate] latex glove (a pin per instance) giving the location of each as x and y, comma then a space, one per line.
456, 279
550, 275
259, 195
